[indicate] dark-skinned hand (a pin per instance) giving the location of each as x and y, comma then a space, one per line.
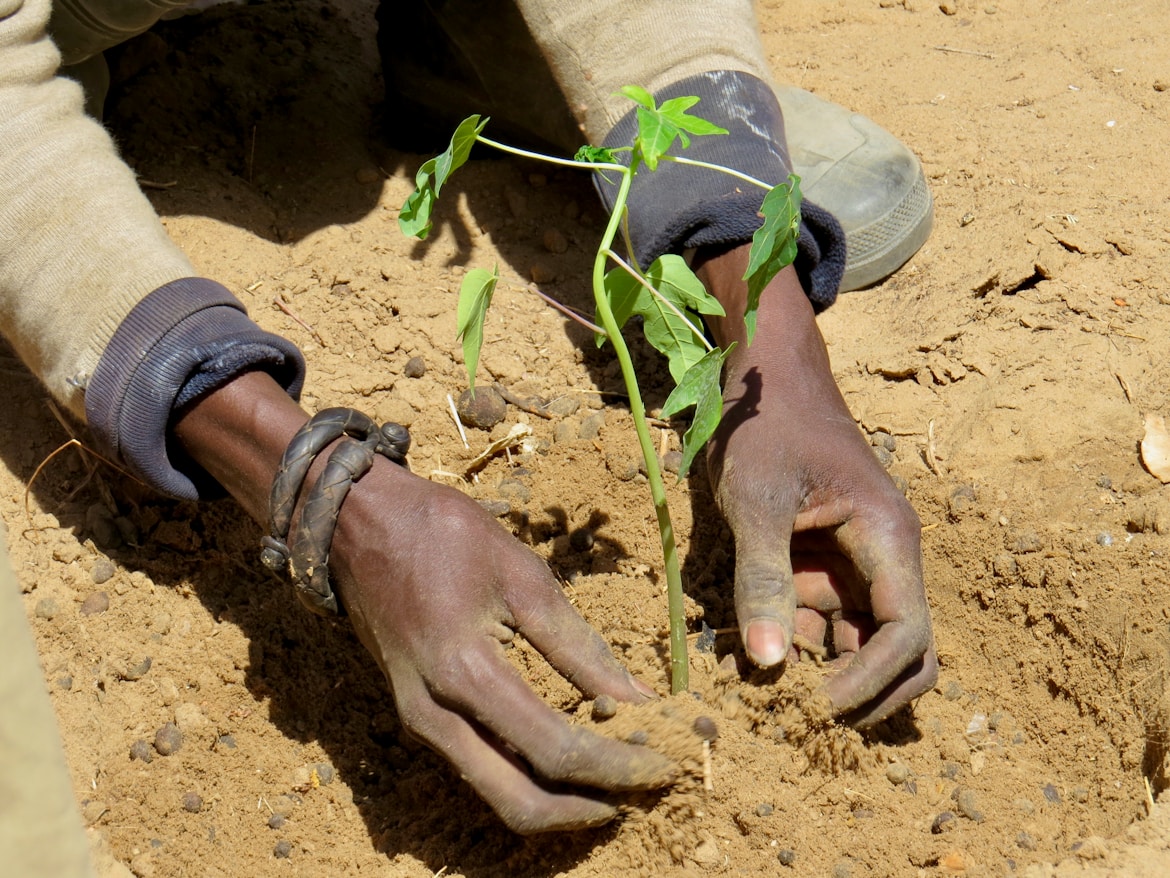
435, 588
823, 538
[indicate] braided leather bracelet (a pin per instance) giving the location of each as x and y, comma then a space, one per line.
308, 562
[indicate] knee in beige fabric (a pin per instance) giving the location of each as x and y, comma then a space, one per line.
40, 829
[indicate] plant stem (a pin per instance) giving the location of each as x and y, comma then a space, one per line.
541, 157
731, 172
679, 669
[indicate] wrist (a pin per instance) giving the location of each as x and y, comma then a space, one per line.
238, 434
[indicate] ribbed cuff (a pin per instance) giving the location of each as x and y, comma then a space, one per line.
179, 343
678, 207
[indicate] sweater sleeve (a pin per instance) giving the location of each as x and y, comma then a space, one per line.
93, 294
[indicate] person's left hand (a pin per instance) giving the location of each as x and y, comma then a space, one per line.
823, 537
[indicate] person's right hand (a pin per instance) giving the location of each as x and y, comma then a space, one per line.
435, 588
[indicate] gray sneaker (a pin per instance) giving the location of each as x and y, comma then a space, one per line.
865, 177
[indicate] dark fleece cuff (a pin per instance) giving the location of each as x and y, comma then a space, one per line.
677, 207
182, 341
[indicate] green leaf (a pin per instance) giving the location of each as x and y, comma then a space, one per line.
773, 244
700, 388
594, 154
415, 217
664, 325
475, 295
660, 126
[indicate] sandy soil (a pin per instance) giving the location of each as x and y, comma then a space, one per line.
1012, 363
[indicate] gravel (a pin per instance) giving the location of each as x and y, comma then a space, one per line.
168, 740
604, 707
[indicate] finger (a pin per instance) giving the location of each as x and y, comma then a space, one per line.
918, 678
851, 631
551, 624
477, 681
888, 557
811, 625
521, 803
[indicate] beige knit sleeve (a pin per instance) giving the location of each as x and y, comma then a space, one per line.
595, 47
79, 243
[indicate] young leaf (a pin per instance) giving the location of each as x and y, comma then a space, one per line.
773, 244
415, 216
668, 329
475, 295
699, 387
588, 154
660, 126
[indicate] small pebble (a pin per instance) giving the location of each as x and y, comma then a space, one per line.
46, 609
705, 728
638, 737
786, 856
141, 750
1027, 542
953, 691
764, 810
541, 273
950, 770
862, 813
496, 508
415, 367
844, 869
282, 849
1051, 793
226, 741
65, 681
277, 821
969, 806
897, 773
623, 468
563, 406
98, 602
672, 462
514, 491
554, 241
705, 642
604, 707
367, 175
591, 426
1104, 539
482, 408
137, 671
581, 540
1025, 841
1024, 806
325, 773
103, 571
168, 739
192, 802
944, 822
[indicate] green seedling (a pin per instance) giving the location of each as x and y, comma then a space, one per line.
667, 295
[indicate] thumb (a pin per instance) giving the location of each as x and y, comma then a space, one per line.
765, 599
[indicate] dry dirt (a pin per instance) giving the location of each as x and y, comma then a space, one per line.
1012, 361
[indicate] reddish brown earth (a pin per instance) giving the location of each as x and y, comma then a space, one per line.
1012, 361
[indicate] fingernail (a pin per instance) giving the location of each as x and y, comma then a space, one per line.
643, 690
765, 642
